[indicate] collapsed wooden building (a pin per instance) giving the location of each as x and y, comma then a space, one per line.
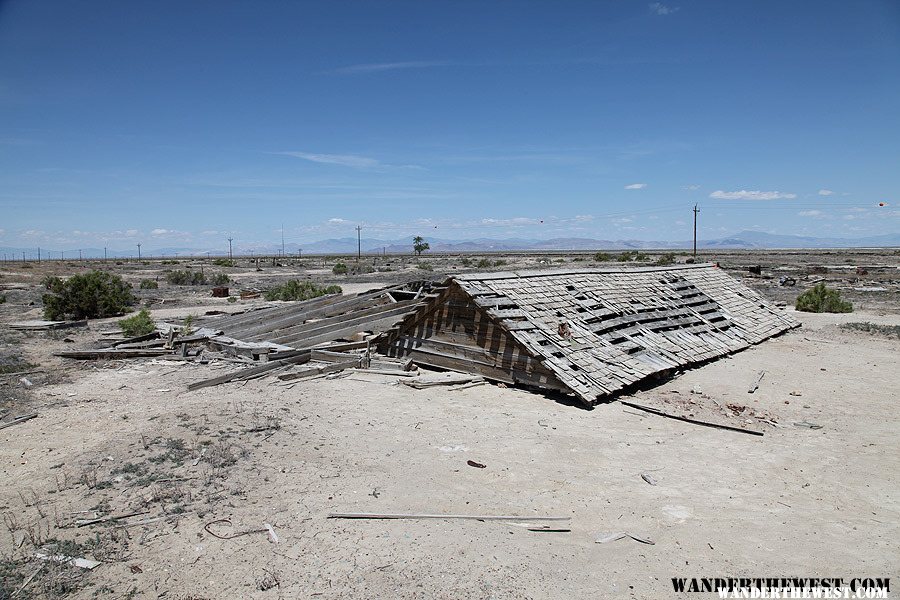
590, 333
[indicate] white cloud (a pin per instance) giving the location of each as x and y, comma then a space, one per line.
159, 232
517, 221
658, 8
636, 186
810, 213
346, 160
390, 66
751, 195
691, 188
336, 221
131, 232
825, 192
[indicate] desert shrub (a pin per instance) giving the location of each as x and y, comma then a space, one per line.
186, 277
49, 281
499, 263
632, 255
148, 284
602, 257
223, 262
820, 299
666, 259
425, 266
219, 279
466, 262
483, 263
27, 266
364, 268
339, 269
232, 299
2, 298
139, 324
301, 290
93, 295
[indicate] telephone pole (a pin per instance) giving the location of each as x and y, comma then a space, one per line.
39, 254
358, 243
230, 256
696, 210
282, 239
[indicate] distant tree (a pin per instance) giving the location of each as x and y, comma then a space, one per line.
420, 245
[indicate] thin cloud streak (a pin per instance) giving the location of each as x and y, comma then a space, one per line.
390, 66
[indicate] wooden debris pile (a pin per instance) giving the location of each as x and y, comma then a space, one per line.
316, 334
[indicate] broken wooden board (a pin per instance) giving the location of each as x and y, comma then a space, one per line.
250, 372
39, 325
111, 353
317, 370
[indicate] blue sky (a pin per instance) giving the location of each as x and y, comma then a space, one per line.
180, 123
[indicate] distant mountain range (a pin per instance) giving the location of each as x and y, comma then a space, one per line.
742, 240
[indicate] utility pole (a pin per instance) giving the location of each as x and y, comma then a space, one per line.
299, 252
79, 254
104, 253
139, 251
282, 239
230, 256
358, 243
39, 254
696, 210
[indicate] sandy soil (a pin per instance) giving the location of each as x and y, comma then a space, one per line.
797, 501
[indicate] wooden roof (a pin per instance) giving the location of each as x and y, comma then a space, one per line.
600, 330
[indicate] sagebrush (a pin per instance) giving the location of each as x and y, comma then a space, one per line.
138, 324
295, 289
819, 299
93, 295
148, 284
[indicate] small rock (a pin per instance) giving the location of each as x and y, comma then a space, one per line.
796, 393
696, 390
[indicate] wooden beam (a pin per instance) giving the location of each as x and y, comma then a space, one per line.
247, 373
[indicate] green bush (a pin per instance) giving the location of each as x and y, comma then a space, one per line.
602, 257
466, 262
219, 279
820, 299
425, 266
630, 255
148, 284
232, 299
2, 298
186, 277
223, 262
139, 324
499, 263
339, 269
666, 259
483, 263
301, 290
93, 295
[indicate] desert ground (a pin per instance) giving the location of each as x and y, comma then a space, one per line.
225, 492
